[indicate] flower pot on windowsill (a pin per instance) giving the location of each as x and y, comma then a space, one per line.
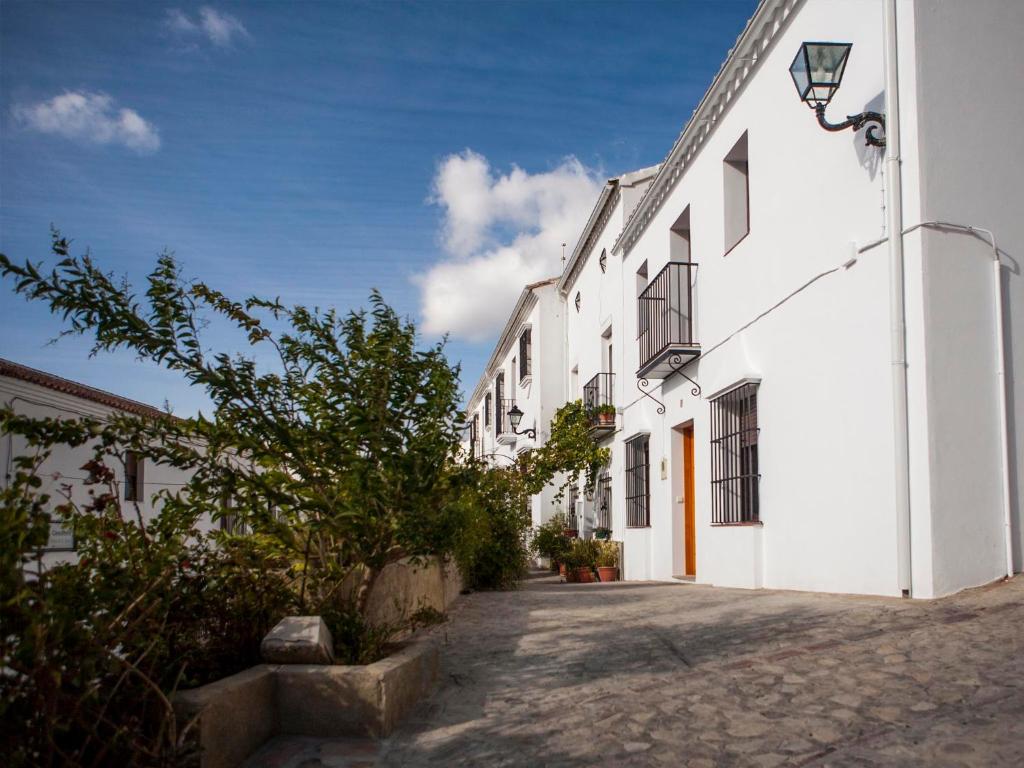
602, 534
606, 419
584, 575
608, 574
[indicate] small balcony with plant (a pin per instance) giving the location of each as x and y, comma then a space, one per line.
599, 402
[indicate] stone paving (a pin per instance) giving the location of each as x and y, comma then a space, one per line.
630, 674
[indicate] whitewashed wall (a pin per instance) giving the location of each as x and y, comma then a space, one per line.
822, 355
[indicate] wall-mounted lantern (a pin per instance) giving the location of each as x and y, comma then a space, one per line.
817, 73
515, 417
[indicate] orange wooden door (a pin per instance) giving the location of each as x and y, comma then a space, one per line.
689, 506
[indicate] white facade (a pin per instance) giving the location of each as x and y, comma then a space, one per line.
786, 225
39, 395
525, 370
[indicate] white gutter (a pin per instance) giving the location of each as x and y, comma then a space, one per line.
897, 306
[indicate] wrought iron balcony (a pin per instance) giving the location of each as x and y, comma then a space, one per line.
665, 322
502, 425
598, 399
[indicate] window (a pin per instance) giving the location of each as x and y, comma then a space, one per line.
487, 410
736, 178
679, 237
499, 395
641, 286
573, 498
474, 431
228, 520
133, 480
734, 474
525, 353
604, 502
638, 482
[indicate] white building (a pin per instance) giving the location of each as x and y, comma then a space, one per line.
525, 371
806, 400
34, 393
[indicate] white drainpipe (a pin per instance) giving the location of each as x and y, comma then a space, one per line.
897, 308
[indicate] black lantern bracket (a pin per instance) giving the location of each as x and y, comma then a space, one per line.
871, 138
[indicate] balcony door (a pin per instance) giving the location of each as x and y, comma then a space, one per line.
689, 505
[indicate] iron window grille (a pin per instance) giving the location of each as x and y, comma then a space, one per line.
665, 311
578, 301
525, 353
502, 424
603, 261
499, 394
734, 460
474, 435
638, 482
604, 502
572, 502
487, 409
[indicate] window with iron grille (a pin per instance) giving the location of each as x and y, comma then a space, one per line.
133, 480
525, 353
734, 472
474, 435
487, 410
604, 502
638, 482
572, 504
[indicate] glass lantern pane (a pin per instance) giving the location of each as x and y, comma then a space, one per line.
827, 62
798, 69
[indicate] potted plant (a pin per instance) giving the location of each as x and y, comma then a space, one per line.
549, 540
581, 559
606, 415
602, 534
608, 561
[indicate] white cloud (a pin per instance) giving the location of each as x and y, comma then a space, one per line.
92, 118
218, 27
500, 232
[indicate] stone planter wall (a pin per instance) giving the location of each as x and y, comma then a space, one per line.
239, 713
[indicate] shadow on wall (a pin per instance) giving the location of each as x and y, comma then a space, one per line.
870, 157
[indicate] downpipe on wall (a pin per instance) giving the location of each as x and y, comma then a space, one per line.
897, 305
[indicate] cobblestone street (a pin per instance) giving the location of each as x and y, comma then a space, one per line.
631, 674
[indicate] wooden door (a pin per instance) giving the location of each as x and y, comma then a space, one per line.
689, 505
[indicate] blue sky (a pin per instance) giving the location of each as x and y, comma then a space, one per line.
318, 150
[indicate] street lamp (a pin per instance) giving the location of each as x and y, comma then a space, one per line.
817, 74
515, 416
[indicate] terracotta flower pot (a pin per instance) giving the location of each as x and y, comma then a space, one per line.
570, 533
606, 419
608, 573
561, 569
584, 576
570, 577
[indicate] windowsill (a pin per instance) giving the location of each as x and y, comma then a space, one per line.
638, 527
736, 244
526, 380
751, 524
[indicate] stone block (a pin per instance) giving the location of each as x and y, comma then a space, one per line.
298, 640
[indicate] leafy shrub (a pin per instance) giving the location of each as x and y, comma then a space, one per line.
549, 539
493, 552
582, 553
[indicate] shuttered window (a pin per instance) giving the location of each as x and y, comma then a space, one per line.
734, 461
525, 354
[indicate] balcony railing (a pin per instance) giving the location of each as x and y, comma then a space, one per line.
502, 425
598, 399
665, 321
